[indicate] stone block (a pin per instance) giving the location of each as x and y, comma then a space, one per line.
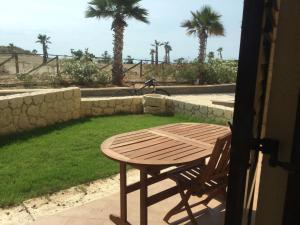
77, 93
154, 100
33, 110
32, 121
28, 100
204, 110
103, 103
50, 97
111, 103
16, 112
24, 122
97, 111
43, 109
127, 101
228, 114
3, 103
68, 94
75, 114
38, 99
41, 122
152, 110
16, 102
108, 111
218, 112
5, 117
59, 96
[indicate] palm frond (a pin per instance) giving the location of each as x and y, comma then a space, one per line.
138, 13
205, 19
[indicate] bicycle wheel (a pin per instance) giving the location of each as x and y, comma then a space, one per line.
124, 92
161, 92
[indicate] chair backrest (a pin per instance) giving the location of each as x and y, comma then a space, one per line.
218, 164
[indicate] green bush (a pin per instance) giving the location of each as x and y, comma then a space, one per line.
220, 71
187, 73
214, 71
83, 70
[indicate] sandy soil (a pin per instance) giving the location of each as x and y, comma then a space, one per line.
29, 210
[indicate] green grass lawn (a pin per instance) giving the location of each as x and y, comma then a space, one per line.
46, 160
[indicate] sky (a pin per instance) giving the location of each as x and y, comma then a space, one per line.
64, 21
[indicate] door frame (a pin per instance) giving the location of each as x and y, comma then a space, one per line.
242, 132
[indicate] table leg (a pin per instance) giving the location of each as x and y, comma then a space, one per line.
143, 197
122, 220
123, 194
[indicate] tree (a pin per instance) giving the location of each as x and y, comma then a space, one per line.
129, 60
220, 50
105, 58
77, 54
211, 55
180, 60
168, 48
156, 45
44, 40
119, 11
152, 53
34, 51
12, 47
204, 23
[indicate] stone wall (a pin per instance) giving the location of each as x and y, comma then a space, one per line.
21, 112
157, 104
38, 109
110, 106
199, 111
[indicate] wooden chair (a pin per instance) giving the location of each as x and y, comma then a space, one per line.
210, 179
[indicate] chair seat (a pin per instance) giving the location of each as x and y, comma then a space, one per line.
189, 179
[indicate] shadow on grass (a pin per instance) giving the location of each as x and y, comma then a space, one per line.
9, 139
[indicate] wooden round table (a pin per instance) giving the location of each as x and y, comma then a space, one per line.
154, 148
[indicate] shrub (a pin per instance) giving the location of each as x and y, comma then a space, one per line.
214, 71
220, 71
83, 70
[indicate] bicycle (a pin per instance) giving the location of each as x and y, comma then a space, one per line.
150, 86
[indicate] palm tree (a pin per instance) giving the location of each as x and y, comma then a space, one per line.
11, 47
204, 23
44, 40
220, 50
156, 45
168, 48
152, 53
34, 51
210, 56
119, 11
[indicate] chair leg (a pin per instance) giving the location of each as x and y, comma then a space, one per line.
173, 211
185, 199
179, 207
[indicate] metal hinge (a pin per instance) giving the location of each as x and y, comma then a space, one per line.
271, 147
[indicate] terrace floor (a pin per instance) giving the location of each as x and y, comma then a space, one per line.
97, 212
207, 99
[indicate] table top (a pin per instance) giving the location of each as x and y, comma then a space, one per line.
168, 145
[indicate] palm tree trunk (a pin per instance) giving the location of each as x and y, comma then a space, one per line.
45, 54
117, 70
166, 56
202, 47
152, 58
156, 55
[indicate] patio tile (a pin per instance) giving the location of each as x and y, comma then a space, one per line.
97, 212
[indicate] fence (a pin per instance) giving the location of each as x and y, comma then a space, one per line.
12, 65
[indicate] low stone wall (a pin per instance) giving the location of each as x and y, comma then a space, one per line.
157, 104
26, 111
110, 106
199, 111
41, 108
